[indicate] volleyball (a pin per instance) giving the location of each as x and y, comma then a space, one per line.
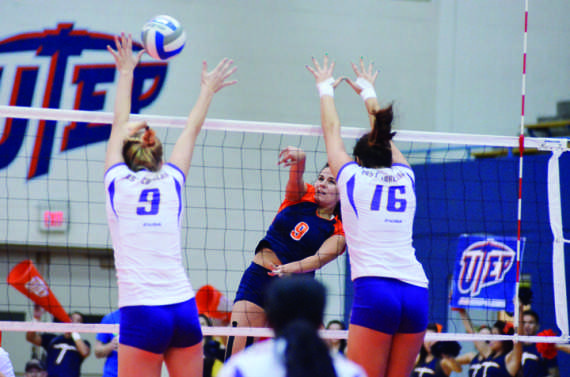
163, 37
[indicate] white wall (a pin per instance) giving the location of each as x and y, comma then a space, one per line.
452, 66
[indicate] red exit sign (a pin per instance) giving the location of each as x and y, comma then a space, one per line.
54, 218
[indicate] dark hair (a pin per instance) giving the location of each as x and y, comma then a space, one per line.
294, 306
373, 149
505, 329
78, 312
533, 314
423, 351
342, 345
336, 210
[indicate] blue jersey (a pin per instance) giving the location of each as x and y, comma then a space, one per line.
63, 359
112, 362
429, 369
475, 365
297, 231
533, 364
493, 367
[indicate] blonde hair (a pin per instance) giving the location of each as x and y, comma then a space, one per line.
143, 151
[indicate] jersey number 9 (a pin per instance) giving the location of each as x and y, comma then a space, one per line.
151, 199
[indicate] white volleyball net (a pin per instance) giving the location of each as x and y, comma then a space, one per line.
467, 188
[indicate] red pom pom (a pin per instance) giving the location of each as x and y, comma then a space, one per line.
547, 350
507, 328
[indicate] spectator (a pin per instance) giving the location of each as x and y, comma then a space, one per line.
294, 309
35, 368
336, 345
65, 353
533, 362
474, 359
106, 345
437, 358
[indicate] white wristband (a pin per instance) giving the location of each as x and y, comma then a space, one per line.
326, 87
75, 336
368, 90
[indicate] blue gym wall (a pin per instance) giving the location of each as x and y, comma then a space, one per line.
480, 196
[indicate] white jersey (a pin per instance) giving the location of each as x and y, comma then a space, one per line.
144, 211
267, 358
378, 207
6, 367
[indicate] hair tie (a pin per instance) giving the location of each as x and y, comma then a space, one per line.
148, 138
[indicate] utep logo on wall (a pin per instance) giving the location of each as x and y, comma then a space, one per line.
57, 46
485, 273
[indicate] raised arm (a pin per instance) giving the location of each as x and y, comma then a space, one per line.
294, 158
32, 336
211, 83
330, 122
482, 347
125, 62
363, 85
513, 360
329, 251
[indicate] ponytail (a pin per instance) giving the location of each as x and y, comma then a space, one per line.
306, 354
382, 131
143, 152
374, 149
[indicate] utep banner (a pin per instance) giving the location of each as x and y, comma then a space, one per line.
485, 272
54, 68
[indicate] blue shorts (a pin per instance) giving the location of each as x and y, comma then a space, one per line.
389, 305
253, 285
157, 328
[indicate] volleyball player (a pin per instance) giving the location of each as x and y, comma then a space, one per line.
159, 318
295, 306
305, 235
390, 307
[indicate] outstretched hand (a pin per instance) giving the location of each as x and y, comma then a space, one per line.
134, 127
324, 72
124, 58
291, 156
369, 74
216, 78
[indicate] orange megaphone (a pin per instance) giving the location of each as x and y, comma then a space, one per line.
26, 279
213, 303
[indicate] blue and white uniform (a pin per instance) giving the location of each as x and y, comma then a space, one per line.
267, 358
533, 364
429, 369
144, 212
493, 367
62, 356
378, 208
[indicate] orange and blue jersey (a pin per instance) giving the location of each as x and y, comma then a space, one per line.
297, 231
